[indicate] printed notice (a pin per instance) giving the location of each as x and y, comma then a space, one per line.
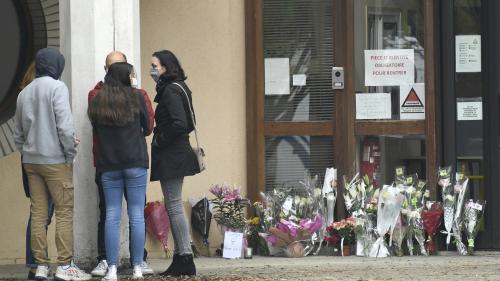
469, 109
373, 106
277, 76
468, 53
233, 243
389, 67
412, 102
299, 79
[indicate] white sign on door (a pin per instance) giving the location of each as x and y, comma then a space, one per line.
468, 53
392, 67
373, 106
469, 109
277, 76
412, 102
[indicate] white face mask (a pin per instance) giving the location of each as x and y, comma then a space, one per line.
134, 83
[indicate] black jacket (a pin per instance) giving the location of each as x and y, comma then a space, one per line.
123, 147
171, 152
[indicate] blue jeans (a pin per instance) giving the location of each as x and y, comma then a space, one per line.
114, 183
30, 260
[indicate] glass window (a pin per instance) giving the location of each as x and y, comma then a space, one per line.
389, 40
468, 88
288, 157
378, 156
300, 33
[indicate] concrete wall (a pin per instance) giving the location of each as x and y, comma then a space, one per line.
208, 37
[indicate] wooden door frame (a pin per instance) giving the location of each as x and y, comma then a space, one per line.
344, 125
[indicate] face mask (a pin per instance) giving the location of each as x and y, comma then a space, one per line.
154, 74
134, 83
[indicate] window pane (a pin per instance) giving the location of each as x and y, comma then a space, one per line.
378, 156
302, 32
387, 26
288, 157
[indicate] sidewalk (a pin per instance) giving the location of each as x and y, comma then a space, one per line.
448, 266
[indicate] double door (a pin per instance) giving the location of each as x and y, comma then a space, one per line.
326, 85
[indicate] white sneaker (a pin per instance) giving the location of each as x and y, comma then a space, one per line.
42, 272
100, 269
146, 270
111, 274
137, 272
71, 272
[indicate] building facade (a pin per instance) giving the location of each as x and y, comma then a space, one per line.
280, 87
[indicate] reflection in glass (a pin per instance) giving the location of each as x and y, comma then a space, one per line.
378, 156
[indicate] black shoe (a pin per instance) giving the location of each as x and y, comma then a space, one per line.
183, 266
31, 275
170, 269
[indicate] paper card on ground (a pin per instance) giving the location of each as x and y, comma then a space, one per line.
233, 243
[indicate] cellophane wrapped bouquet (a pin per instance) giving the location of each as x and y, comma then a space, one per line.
294, 218
460, 189
411, 209
389, 208
431, 218
361, 200
448, 195
473, 213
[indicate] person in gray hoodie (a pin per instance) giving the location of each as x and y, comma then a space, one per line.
44, 135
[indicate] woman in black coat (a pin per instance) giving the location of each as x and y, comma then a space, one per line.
172, 157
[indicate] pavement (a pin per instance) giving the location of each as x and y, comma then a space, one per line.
446, 266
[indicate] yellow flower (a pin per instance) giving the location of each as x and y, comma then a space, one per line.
254, 221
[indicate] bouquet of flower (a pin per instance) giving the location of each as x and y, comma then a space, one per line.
389, 207
345, 229
158, 223
460, 189
448, 194
411, 209
228, 207
255, 241
292, 236
398, 235
431, 218
361, 198
473, 214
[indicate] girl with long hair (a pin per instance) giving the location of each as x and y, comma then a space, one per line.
120, 122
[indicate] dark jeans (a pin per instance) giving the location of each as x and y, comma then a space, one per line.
101, 245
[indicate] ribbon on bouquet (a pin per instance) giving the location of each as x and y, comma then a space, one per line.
448, 236
342, 246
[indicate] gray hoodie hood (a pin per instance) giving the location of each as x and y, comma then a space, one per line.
49, 62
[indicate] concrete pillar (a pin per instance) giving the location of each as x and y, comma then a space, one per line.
90, 29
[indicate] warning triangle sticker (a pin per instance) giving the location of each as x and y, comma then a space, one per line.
412, 100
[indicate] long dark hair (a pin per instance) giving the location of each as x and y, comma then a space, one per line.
117, 103
171, 63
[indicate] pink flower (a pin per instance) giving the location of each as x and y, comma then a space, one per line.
231, 194
216, 190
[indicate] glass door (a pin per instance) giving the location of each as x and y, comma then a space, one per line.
389, 85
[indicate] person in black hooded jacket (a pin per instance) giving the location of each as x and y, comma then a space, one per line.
172, 157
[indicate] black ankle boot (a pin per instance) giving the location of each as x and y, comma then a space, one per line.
171, 269
185, 266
